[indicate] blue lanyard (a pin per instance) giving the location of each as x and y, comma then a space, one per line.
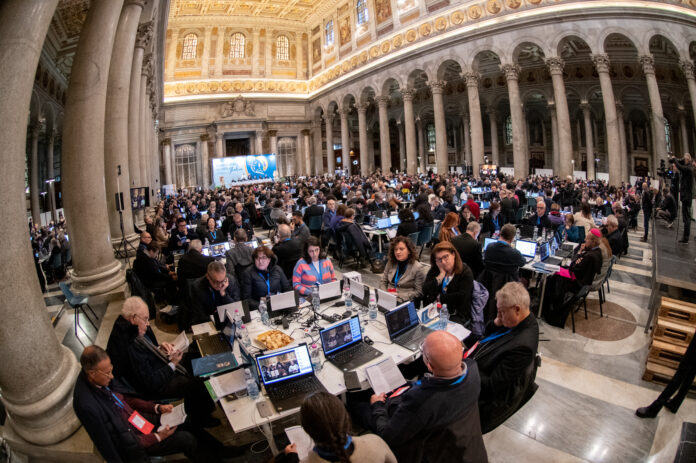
397, 277
320, 275
455, 232
214, 235
118, 401
267, 280
445, 282
494, 336
495, 222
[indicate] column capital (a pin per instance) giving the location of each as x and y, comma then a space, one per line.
472, 78
648, 63
329, 118
166, 141
407, 94
555, 65
145, 31
585, 106
147, 69
305, 132
272, 133
344, 112
512, 71
362, 107
316, 123
688, 67
219, 136
205, 137
382, 101
619, 108
35, 129
491, 113
552, 108
601, 62
437, 87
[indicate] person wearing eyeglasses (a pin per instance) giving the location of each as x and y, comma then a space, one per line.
263, 278
207, 293
449, 280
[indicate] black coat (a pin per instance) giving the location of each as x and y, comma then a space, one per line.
470, 252
586, 265
122, 335
312, 211
541, 222
288, 253
193, 265
686, 180
436, 420
254, 285
176, 238
616, 242
360, 240
487, 225
152, 274
203, 300
245, 226
406, 228
506, 366
458, 294
501, 265
669, 205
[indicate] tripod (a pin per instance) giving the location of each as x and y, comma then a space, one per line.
123, 247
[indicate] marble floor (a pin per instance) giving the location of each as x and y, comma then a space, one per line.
589, 387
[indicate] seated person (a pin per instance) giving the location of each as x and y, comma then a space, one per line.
506, 357
329, 214
449, 280
229, 220
555, 216
327, 422
360, 240
156, 276
209, 292
212, 233
263, 278
493, 221
239, 224
450, 227
465, 217
668, 208
540, 218
181, 238
312, 209
277, 210
404, 274
437, 210
569, 231
288, 250
407, 223
312, 269
193, 216
614, 237
145, 239
193, 264
105, 414
469, 248
299, 229
437, 418
238, 258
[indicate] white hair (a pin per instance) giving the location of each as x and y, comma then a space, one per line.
132, 306
513, 294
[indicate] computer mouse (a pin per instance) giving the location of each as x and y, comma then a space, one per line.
368, 340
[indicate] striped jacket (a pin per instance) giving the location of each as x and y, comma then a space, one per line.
304, 277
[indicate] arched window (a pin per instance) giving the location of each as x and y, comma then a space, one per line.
430, 135
668, 136
237, 42
508, 130
189, 49
361, 10
329, 33
282, 48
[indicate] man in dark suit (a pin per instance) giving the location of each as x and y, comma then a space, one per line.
155, 276
614, 236
288, 250
210, 291
193, 264
506, 357
239, 224
540, 218
180, 239
313, 209
469, 248
105, 414
686, 174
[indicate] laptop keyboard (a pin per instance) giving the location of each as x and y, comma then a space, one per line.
410, 336
300, 387
349, 354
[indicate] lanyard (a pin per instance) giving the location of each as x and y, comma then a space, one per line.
319, 274
117, 401
267, 280
495, 335
214, 235
397, 277
445, 282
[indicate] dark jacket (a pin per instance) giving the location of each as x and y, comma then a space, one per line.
487, 224
586, 265
152, 274
245, 226
616, 242
457, 295
312, 211
288, 253
436, 420
238, 259
406, 228
646, 202
254, 284
360, 240
541, 222
175, 239
193, 265
122, 335
501, 265
203, 300
216, 236
506, 366
686, 180
470, 252
669, 205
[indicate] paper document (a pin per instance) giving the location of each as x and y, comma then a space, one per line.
181, 342
229, 310
458, 330
229, 383
283, 301
175, 418
386, 299
384, 376
357, 290
298, 436
203, 328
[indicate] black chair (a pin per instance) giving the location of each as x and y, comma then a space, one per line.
314, 224
78, 303
137, 288
414, 237
269, 223
574, 303
346, 248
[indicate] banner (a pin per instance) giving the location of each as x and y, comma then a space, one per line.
226, 171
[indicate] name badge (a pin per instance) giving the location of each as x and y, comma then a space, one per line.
140, 423
392, 290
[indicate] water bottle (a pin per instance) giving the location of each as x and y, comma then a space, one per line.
237, 318
315, 355
252, 387
444, 317
535, 234
244, 336
372, 308
206, 242
263, 312
315, 298
347, 297
517, 235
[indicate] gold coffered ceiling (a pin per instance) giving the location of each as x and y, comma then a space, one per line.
291, 10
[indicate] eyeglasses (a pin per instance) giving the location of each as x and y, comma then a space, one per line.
216, 282
442, 259
262, 257
105, 373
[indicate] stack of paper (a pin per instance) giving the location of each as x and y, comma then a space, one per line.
176, 417
181, 342
298, 436
229, 383
384, 376
203, 328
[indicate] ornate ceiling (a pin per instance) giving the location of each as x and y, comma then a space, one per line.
291, 10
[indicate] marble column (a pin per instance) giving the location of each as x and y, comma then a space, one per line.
38, 373
167, 156
143, 159
299, 159
441, 160
622, 142
475, 121
259, 141
519, 138
422, 153
273, 141
95, 271
466, 129
219, 145
317, 148
50, 142
134, 97
384, 142
117, 175
565, 141
171, 55
658, 118
330, 153
601, 63
410, 132
172, 161
493, 121
683, 132
306, 160
589, 142
371, 150
362, 136
34, 191
345, 148
688, 68
205, 160
554, 140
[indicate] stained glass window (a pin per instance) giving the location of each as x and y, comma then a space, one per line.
361, 9
282, 48
237, 42
190, 44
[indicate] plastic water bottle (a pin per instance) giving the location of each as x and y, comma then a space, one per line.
372, 308
315, 298
252, 387
315, 355
535, 234
263, 311
517, 235
237, 318
347, 297
444, 317
244, 336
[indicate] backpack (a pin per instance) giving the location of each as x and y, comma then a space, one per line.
479, 298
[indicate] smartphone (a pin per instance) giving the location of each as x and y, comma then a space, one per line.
264, 408
350, 378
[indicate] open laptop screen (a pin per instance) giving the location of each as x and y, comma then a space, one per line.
394, 220
284, 365
384, 223
416, 215
341, 335
401, 318
526, 248
283, 302
544, 251
488, 241
205, 250
217, 250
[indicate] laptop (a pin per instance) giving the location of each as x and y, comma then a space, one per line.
544, 251
394, 220
253, 244
526, 248
219, 249
404, 327
288, 376
488, 241
360, 293
227, 310
386, 301
383, 223
283, 303
216, 352
344, 347
209, 344
205, 250
330, 291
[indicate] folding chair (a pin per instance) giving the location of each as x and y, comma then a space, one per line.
78, 303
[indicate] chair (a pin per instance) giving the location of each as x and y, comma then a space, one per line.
78, 303
581, 234
414, 237
436, 232
346, 248
598, 285
314, 224
611, 267
531, 203
574, 303
424, 237
270, 224
518, 215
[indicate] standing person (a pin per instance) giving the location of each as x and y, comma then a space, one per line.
469, 248
646, 203
686, 180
